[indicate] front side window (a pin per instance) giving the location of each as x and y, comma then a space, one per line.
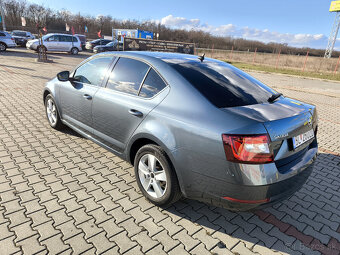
53, 38
127, 75
93, 72
152, 85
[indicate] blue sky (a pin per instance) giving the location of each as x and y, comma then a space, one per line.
296, 22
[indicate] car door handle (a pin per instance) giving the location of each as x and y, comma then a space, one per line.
87, 96
135, 113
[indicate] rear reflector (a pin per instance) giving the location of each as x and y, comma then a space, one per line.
247, 201
248, 149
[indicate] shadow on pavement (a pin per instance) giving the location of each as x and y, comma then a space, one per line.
21, 52
265, 227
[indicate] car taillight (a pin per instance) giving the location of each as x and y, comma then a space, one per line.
248, 149
12, 39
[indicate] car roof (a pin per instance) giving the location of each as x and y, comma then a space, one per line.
155, 56
58, 34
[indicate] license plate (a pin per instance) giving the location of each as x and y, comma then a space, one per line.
301, 139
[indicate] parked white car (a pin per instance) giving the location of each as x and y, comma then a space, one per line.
6, 41
56, 42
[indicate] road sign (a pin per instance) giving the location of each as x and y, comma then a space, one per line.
335, 6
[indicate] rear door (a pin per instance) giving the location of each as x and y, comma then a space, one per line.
76, 97
64, 41
133, 89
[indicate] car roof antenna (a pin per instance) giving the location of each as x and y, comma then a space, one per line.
201, 57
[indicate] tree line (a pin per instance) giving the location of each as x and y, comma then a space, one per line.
56, 20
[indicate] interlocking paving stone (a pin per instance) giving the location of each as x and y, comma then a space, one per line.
61, 193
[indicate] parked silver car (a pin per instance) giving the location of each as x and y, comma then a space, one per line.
6, 41
57, 42
191, 126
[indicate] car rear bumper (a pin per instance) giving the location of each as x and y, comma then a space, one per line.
11, 45
236, 197
254, 190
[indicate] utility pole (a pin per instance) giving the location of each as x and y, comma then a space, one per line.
333, 36
2, 18
335, 7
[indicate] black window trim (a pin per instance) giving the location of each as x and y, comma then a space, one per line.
141, 84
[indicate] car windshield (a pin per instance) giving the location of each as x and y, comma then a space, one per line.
110, 44
23, 34
222, 84
46, 36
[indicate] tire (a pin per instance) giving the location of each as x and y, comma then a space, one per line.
74, 51
158, 184
51, 110
3, 47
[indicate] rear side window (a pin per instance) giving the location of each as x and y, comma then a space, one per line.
75, 39
127, 75
222, 84
153, 84
93, 72
68, 38
2, 34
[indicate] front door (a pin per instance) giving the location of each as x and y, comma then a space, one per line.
76, 97
121, 106
51, 43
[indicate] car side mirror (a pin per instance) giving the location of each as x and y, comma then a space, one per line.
63, 76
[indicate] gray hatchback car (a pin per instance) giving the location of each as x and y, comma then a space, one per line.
193, 127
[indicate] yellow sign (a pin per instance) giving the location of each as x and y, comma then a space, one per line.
335, 6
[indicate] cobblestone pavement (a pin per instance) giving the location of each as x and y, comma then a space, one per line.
63, 194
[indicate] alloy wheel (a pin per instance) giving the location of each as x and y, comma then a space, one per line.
152, 175
2, 47
51, 112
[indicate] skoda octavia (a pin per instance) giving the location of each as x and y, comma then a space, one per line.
191, 126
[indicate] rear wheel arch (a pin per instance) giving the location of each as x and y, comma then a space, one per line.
136, 145
139, 142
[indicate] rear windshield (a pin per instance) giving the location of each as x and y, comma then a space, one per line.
222, 84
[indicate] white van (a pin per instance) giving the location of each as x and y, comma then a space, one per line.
56, 42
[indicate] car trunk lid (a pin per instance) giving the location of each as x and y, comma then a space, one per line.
284, 119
